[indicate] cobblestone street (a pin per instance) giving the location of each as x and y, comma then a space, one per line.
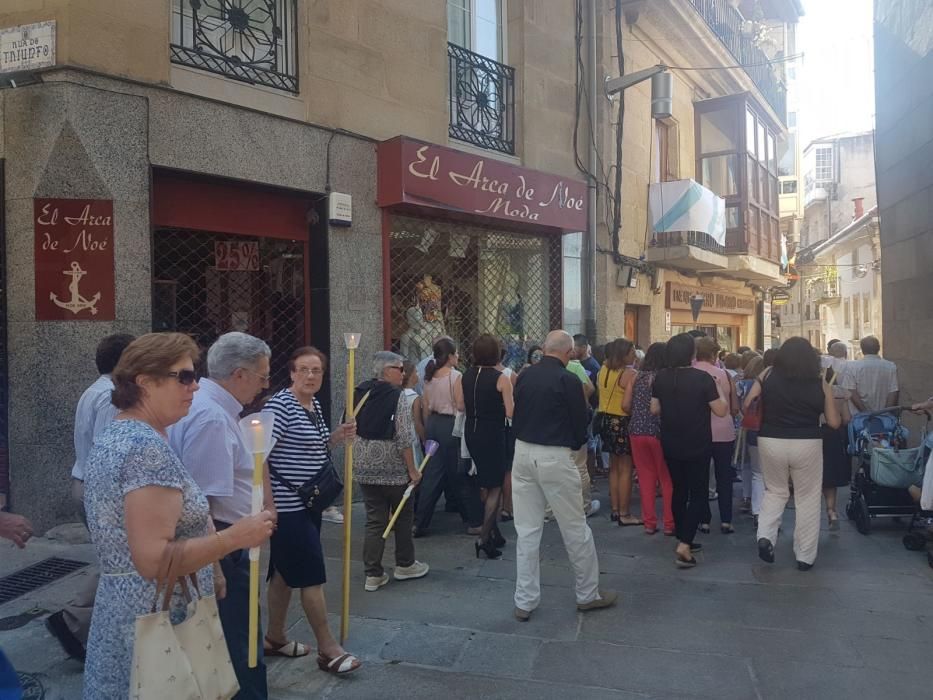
858, 624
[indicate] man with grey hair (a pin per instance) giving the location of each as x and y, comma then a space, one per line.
871, 381
384, 467
549, 422
210, 445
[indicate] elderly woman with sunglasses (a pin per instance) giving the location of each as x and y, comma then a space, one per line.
139, 497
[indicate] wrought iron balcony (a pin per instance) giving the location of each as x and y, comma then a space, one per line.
253, 41
698, 239
482, 100
726, 23
826, 290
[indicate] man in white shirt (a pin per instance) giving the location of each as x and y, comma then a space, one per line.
209, 443
871, 381
70, 626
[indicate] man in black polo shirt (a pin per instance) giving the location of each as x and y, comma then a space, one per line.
550, 421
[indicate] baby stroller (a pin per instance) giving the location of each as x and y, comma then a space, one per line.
885, 468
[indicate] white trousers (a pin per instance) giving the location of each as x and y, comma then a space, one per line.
756, 479
802, 462
579, 461
543, 476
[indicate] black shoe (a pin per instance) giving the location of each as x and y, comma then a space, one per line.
497, 539
766, 550
803, 566
704, 529
696, 547
417, 532
55, 624
488, 549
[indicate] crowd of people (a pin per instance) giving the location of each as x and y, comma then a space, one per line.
160, 458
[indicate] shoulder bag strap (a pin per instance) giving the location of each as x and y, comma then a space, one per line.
274, 473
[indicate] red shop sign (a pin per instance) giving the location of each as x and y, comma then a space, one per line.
415, 172
74, 259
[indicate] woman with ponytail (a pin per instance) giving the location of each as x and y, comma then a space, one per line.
439, 407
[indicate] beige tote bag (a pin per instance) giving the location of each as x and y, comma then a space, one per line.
187, 661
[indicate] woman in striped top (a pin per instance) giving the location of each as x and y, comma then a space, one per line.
302, 449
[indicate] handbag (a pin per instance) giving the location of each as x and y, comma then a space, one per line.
459, 416
752, 416
321, 490
897, 468
187, 661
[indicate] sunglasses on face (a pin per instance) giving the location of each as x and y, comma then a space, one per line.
185, 377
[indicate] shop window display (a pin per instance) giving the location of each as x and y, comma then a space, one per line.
462, 281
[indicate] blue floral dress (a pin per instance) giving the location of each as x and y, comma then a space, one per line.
129, 455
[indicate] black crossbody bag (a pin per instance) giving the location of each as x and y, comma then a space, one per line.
320, 491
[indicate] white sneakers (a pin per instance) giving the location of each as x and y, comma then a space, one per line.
374, 583
402, 573
593, 508
416, 570
332, 515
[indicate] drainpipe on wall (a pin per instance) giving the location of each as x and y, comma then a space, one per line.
588, 262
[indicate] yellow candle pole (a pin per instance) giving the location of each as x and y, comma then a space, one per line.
352, 341
258, 459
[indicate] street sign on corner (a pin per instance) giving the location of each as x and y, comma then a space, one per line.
27, 47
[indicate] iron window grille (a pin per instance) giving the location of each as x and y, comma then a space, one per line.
458, 280
253, 41
194, 293
482, 100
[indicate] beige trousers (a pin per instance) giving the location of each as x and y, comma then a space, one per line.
802, 462
543, 475
579, 461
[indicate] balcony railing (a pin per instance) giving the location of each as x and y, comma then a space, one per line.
254, 42
826, 290
482, 100
698, 239
726, 23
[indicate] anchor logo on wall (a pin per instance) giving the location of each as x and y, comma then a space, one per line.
77, 302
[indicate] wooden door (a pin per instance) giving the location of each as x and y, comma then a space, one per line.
631, 323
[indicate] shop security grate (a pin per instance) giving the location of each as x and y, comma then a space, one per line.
36, 576
206, 284
463, 281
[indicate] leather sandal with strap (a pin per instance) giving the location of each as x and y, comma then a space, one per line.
291, 650
340, 665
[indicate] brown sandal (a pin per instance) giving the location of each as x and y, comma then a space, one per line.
340, 665
291, 650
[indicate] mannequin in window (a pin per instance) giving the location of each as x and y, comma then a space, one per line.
415, 343
429, 297
510, 324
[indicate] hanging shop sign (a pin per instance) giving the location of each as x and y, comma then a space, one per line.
27, 47
427, 175
74, 266
681, 296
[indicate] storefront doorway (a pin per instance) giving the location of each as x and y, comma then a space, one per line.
227, 257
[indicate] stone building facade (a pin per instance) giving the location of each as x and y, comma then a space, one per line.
904, 145
744, 113
218, 160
